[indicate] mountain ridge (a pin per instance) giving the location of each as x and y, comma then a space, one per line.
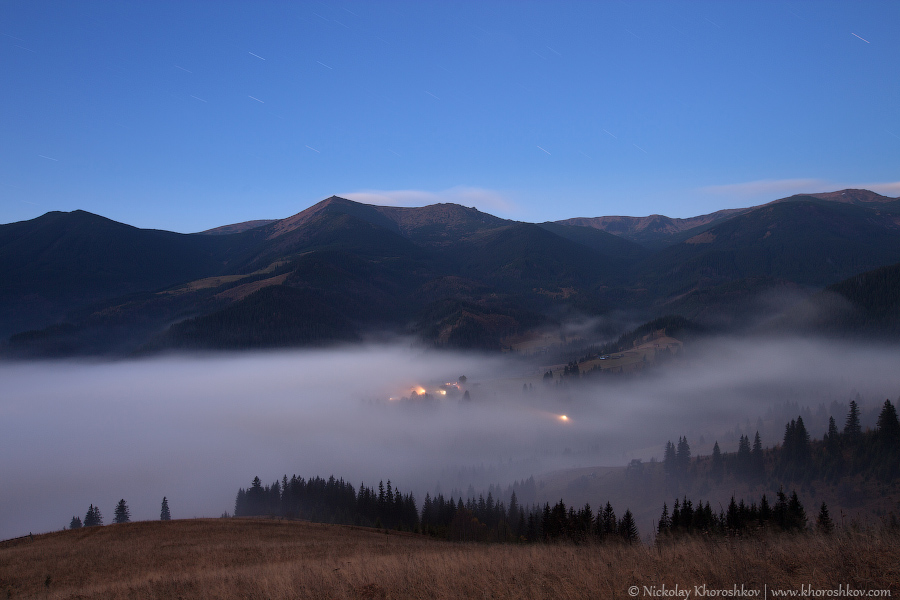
355, 267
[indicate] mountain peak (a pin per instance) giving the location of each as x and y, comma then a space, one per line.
852, 196
332, 204
435, 221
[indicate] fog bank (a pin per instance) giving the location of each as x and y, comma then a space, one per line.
195, 428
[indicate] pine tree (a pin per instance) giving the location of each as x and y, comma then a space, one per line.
823, 521
75, 523
765, 511
780, 510
664, 526
757, 461
122, 514
743, 456
670, 459
164, 511
832, 435
796, 516
627, 527
683, 455
732, 516
606, 521
676, 515
93, 517
852, 428
513, 514
717, 469
888, 425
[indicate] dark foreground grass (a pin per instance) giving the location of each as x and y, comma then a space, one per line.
251, 558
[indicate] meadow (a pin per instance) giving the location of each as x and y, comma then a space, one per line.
261, 558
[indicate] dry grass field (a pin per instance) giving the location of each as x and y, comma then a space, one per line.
251, 558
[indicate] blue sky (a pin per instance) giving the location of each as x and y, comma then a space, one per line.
188, 115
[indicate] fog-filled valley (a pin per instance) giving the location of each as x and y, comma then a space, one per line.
194, 428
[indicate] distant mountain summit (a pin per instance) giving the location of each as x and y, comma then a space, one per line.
453, 275
432, 223
849, 196
655, 230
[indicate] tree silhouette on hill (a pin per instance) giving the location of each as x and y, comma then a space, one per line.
93, 517
122, 514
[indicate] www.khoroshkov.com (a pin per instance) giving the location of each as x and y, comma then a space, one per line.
741, 591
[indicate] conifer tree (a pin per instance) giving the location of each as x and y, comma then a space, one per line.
757, 461
780, 510
93, 517
796, 516
122, 514
832, 435
513, 514
743, 457
852, 428
664, 526
164, 511
75, 523
606, 521
670, 459
888, 425
717, 469
823, 521
683, 455
627, 527
765, 511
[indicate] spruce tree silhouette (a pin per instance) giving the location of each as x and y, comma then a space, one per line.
852, 428
122, 514
93, 517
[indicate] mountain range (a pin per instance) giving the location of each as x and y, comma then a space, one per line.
78, 283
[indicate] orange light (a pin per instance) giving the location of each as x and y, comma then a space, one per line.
563, 418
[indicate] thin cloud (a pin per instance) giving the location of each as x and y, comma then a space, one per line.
768, 187
890, 188
780, 188
481, 198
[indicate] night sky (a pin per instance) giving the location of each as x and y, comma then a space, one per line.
189, 115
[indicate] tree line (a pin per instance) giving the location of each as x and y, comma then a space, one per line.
483, 519
787, 514
122, 514
841, 452
329, 501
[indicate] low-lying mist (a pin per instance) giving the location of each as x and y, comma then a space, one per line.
195, 428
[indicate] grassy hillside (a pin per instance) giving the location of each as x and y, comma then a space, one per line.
249, 558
